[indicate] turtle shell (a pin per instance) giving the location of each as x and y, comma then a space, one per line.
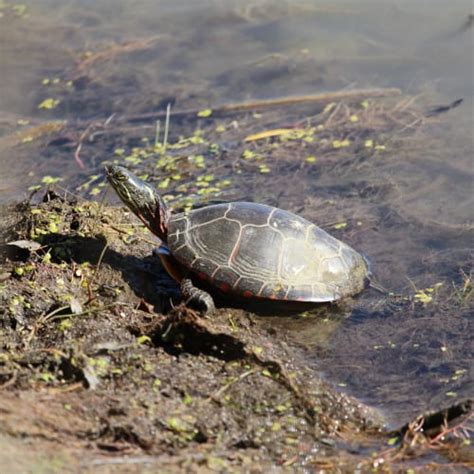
258, 251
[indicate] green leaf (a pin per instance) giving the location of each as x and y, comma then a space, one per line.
50, 180
204, 113
143, 339
49, 104
266, 373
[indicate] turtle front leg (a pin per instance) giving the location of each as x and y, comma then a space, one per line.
197, 297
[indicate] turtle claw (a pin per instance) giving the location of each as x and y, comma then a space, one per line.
206, 305
196, 297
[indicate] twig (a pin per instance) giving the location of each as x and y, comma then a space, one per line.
99, 210
411, 124
167, 126
83, 136
332, 115
356, 94
41, 320
85, 313
219, 392
99, 262
54, 316
77, 157
157, 133
124, 460
68, 388
316, 98
114, 51
461, 426
10, 381
120, 231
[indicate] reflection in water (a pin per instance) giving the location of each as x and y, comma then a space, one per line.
414, 202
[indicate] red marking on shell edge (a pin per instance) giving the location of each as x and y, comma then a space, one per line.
272, 296
225, 287
247, 294
202, 276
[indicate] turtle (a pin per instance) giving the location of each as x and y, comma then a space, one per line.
243, 250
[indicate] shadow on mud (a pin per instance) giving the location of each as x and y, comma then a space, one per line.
145, 276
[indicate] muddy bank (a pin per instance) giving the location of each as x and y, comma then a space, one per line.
102, 366
89, 351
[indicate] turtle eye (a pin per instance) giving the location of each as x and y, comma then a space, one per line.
121, 177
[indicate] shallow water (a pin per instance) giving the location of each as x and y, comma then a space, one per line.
414, 201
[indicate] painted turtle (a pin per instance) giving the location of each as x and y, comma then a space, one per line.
244, 249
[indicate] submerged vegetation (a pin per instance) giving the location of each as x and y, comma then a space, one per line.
90, 315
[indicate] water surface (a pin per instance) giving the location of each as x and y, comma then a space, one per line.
409, 208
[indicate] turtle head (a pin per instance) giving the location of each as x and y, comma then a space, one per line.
142, 199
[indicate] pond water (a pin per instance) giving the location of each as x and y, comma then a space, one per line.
409, 207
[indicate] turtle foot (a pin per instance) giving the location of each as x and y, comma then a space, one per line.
196, 297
